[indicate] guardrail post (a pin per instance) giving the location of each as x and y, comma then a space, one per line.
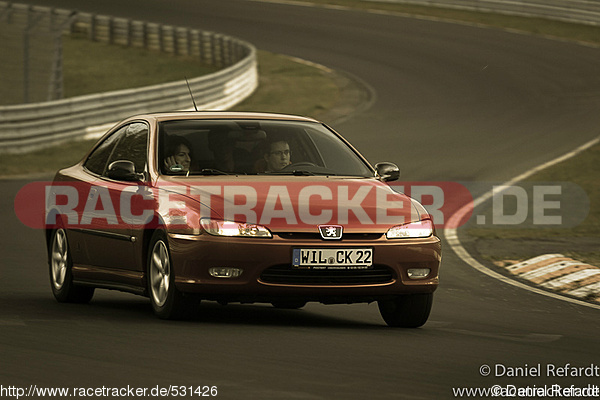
92, 32
145, 35
161, 46
8, 13
214, 45
189, 42
111, 30
128, 33
207, 49
176, 43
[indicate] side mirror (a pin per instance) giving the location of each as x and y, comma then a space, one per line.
123, 170
387, 171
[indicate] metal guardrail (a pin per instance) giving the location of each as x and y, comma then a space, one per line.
38, 125
577, 11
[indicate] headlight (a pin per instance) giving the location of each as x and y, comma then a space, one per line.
419, 229
228, 228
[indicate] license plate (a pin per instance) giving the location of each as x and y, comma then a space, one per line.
358, 258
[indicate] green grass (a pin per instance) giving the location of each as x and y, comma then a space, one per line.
288, 86
92, 67
582, 170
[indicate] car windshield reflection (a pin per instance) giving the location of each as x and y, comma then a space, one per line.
255, 147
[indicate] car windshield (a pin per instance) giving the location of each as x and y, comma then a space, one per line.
220, 147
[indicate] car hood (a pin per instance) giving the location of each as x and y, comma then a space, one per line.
298, 203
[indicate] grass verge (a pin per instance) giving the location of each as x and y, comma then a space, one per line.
580, 242
93, 67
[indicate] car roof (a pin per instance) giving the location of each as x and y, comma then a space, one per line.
226, 115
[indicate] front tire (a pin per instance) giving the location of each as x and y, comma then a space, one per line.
406, 311
61, 277
167, 302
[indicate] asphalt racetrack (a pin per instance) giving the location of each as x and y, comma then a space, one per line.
450, 103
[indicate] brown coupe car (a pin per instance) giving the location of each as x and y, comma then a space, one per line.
238, 207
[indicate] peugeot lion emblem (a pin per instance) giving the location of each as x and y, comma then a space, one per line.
329, 232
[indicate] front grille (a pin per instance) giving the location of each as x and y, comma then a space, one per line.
288, 275
317, 236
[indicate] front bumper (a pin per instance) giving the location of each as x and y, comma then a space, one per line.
268, 273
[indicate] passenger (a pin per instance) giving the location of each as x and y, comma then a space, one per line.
277, 155
178, 155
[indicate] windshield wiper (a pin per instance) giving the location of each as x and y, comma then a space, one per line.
302, 172
296, 172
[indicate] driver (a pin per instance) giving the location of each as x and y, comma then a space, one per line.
178, 155
277, 155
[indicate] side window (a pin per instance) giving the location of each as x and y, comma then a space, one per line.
132, 146
97, 161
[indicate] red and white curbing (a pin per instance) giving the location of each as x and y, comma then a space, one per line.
562, 274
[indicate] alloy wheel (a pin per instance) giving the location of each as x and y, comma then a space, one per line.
160, 273
60, 254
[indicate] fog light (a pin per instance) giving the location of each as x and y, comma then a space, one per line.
225, 272
418, 273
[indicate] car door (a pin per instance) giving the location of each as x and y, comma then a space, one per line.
109, 240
